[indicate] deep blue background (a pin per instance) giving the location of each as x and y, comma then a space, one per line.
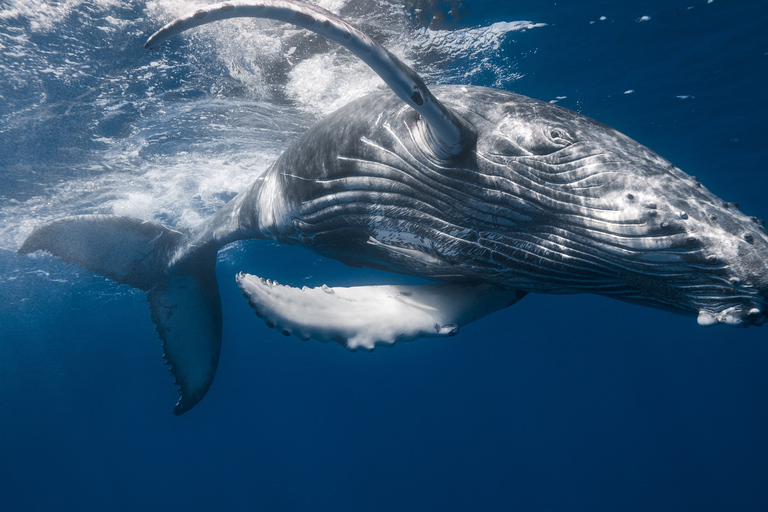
559, 403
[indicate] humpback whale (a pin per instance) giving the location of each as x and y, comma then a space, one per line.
488, 194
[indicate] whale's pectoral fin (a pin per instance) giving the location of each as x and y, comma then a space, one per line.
364, 316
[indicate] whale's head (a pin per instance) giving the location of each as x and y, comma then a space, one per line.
597, 211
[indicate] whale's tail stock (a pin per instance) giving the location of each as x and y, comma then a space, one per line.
182, 291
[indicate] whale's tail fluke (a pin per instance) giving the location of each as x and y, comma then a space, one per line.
183, 295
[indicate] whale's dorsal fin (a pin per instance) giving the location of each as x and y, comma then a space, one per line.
448, 134
363, 317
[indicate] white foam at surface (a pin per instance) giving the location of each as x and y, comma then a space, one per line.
321, 85
332, 5
42, 15
470, 41
477, 45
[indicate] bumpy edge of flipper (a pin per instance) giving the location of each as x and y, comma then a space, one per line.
363, 317
184, 298
447, 134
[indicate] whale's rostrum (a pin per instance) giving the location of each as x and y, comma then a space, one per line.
490, 194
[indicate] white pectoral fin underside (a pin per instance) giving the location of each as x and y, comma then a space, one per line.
364, 316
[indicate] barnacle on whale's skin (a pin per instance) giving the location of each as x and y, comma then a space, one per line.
490, 194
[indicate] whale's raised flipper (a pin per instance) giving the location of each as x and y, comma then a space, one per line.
183, 296
446, 134
362, 317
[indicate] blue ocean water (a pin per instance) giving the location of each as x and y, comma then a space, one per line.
559, 403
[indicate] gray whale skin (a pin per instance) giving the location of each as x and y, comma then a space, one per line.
489, 194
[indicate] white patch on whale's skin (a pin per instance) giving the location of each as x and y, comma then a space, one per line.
362, 317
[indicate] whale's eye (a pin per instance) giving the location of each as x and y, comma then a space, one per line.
559, 136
